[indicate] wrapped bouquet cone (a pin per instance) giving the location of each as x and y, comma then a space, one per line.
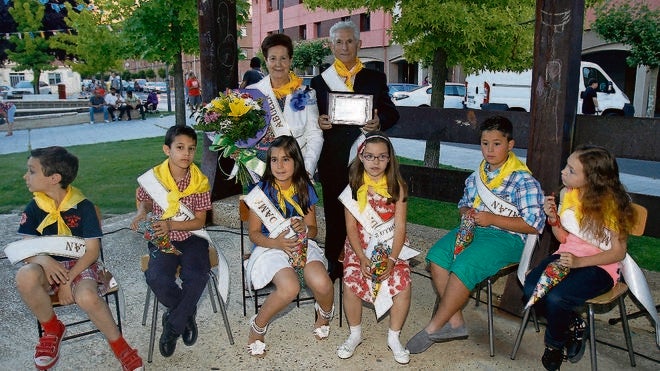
465, 232
553, 274
379, 260
146, 227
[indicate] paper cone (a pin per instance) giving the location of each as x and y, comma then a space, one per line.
465, 232
553, 274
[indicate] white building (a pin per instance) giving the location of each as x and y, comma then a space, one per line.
60, 75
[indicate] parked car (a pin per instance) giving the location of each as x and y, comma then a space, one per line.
140, 84
26, 88
394, 87
454, 96
159, 87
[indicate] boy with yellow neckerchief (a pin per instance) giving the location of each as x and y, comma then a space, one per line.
506, 203
59, 209
179, 214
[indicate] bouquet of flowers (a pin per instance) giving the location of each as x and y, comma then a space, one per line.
379, 261
236, 121
146, 227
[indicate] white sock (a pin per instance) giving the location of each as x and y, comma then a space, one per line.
393, 340
356, 335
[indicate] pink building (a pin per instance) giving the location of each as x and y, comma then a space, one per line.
302, 24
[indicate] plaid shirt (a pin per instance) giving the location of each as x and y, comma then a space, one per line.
519, 189
195, 202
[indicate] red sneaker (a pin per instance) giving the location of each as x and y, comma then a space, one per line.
131, 361
47, 352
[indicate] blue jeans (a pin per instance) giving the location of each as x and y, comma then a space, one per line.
194, 275
98, 109
559, 305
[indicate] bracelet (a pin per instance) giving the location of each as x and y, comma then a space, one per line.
395, 260
556, 223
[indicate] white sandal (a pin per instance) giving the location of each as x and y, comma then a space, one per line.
258, 347
323, 332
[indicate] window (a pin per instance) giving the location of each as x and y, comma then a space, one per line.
15, 78
365, 22
317, 28
346, 18
302, 32
54, 78
243, 31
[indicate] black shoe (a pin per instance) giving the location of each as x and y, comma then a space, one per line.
167, 343
166, 316
576, 343
552, 359
189, 335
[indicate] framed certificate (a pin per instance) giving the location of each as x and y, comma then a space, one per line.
350, 109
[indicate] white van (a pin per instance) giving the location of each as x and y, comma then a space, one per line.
512, 91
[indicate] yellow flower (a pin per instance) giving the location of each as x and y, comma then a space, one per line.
217, 104
238, 108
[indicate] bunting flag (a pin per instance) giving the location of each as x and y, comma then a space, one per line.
59, 7
33, 34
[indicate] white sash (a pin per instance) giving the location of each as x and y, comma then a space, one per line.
277, 120
272, 219
632, 274
502, 207
379, 232
158, 193
66, 246
333, 80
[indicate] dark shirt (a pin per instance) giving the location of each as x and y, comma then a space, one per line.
253, 76
96, 101
588, 107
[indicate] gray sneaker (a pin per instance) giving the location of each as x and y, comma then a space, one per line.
419, 343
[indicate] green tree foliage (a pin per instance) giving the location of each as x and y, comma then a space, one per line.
634, 25
161, 73
310, 54
96, 45
31, 51
638, 27
150, 73
478, 35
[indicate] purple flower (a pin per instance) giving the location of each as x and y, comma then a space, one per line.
299, 99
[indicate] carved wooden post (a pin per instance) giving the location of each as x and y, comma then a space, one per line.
218, 71
555, 78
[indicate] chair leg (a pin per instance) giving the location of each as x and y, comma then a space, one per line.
146, 306
223, 310
521, 331
116, 295
152, 335
536, 320
592, 337
626, 330
477, 295
489, 300
210, 287
341, 299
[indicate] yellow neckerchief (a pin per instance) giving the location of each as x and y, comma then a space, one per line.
512, 164
572, 201
379, 186
287, 194
72, 198
294, 83
346, 74
198, 184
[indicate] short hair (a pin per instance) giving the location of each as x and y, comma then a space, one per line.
57, 160
592, 81
255, 62
344, 25
499, 123
277, 39
177, 130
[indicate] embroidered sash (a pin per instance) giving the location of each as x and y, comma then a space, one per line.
158, 193
66, 246
277, 120
502, 207
379, 233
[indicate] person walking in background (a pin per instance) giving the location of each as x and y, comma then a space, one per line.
59, 209
498, 233
590, 98
194, 93
592, 226
188, 194
8, 111
293, 109
347, 74
373, 269
254, 74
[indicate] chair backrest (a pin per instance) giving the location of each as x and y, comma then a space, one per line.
243, 209
641, 214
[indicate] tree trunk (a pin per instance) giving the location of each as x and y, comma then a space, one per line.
35, 81
179, 92
438, 76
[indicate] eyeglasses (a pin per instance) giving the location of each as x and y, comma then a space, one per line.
369, 157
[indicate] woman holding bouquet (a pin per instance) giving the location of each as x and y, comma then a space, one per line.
293, 109
288, 259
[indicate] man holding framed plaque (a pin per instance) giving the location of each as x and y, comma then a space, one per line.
346, 76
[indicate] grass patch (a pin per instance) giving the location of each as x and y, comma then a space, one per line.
108, 173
